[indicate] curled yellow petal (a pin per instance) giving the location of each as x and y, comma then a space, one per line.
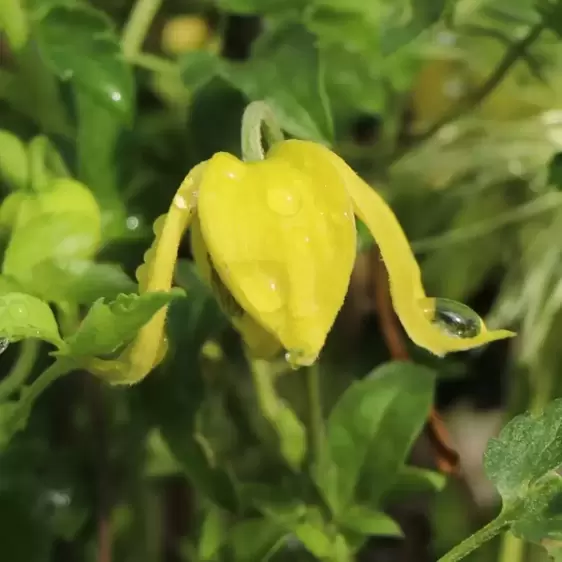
424, 319
155, 274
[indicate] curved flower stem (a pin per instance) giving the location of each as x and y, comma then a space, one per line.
45, 163
476, 540
21, 369
137, 25
258, 117
60, 367
17, 421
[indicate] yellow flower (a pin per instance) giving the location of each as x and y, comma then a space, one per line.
276, 240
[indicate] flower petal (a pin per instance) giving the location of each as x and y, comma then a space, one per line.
155, 274
282, 239
408, 295
260, 342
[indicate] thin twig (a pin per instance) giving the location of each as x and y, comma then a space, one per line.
542, 204
511, 56
138, 25
447, 458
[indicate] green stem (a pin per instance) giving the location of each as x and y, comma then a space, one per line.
18, 419
258, 117
45, 164
60, 367
512, 549
137, 26
476, 540
69, 317
21, 369
154, 63
315, 417
265, 389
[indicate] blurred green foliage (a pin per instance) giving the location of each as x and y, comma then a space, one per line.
452, 109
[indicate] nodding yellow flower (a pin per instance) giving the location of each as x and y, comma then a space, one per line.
276, 240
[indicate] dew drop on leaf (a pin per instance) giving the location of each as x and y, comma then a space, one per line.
297, 359
456, 319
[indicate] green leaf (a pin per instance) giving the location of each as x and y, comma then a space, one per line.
107, 326
212, 535
197, 68
98, 135
365, 521
420, 14
307, 523
172, 401
13, 21
286, 70
375, 29
14, 165
34, 91
523, 464
255, 540
51, 237
527, 448
319, 538
23, 316
10, 208
351, 28
80, 44
541, 516
370, 431
79, 281
414, 480
46, 165
355, 83
555, 171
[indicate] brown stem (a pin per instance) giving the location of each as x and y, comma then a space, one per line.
446, 457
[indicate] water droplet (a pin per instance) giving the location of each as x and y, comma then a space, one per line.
297, 358
283, 201
180, 202
17, 312
132, 222
115, 96
456, 319
4, 343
